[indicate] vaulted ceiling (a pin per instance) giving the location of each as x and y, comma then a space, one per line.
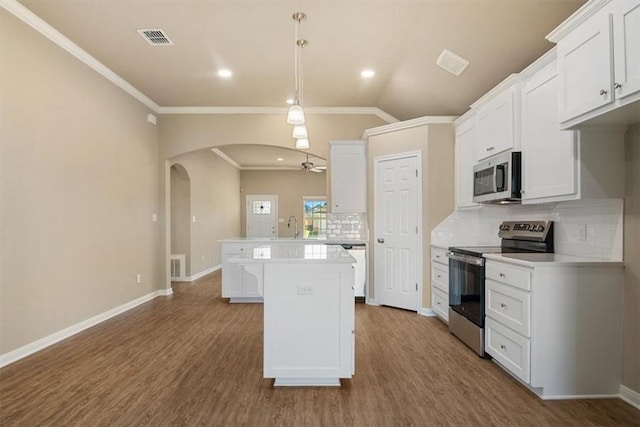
399, 39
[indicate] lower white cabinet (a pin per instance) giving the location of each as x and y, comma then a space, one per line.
440, 283
557, 327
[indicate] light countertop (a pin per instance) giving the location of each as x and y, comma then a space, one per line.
291, 240
294, 253
551, 260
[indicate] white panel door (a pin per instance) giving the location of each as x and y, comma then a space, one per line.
396, 250
262, 216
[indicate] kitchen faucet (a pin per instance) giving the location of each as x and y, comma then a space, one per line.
297, 233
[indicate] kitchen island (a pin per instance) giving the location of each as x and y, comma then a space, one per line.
309, 321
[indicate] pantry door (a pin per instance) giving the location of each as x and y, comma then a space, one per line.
262, 216
398, 213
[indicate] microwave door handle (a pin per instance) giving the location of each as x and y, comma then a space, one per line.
502, 171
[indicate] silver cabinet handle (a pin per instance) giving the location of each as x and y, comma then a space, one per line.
380, 240
603, 92
617, 85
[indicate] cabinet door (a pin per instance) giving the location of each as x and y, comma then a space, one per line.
495, 125
232, 274
548, 153
626, 36
584, 64
465, 159
348, 177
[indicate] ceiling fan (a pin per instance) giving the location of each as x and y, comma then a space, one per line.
309, 166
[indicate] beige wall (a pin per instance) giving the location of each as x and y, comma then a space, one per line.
80, 182
215, 202
181, 214
631, 309
437, 145
289, 186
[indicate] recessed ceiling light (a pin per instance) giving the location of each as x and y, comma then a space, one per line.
224, 73
367, 74
290, 101
280, 159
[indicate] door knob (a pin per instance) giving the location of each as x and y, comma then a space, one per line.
380, 240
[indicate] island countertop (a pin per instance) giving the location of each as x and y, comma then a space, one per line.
294, 253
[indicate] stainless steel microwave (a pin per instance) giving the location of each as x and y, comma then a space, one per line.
498, 179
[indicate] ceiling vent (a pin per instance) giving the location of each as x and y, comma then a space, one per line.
155, 37
452, 62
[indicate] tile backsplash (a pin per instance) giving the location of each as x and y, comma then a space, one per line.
347, 226
588, 228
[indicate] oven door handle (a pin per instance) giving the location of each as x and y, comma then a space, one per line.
466, 259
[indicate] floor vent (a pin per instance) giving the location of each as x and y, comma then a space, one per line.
177, 266
155, 37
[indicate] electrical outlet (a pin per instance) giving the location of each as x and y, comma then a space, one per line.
138, 278
305, 290
582, 232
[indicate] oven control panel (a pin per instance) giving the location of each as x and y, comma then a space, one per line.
525, 230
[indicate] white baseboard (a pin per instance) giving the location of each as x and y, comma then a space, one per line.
42, 343
427, 312
372, 301
630, 396
199, 275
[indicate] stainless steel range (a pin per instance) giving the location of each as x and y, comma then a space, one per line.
467, 275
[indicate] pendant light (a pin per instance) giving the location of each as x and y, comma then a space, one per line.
300, 131
295, 116
302, 143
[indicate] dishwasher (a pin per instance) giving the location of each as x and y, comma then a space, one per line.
359, 252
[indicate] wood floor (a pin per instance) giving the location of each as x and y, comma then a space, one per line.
194, 359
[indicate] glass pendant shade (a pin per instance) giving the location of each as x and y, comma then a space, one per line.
295, 115
302, 143
300, 131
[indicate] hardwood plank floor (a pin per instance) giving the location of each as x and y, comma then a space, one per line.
194, 359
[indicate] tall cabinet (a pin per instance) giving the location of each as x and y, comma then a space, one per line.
347, 160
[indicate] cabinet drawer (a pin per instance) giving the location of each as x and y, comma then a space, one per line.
439, 255
440, 304
440, 277
509, 306
509, 274
512, 350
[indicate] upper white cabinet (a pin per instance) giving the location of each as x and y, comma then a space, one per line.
348, 176
465, 153
497, 120
599, 63
560, 164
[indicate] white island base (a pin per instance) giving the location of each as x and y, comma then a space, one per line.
308, 312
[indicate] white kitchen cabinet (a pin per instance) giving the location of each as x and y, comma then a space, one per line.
348, 176
560, 164
599, 62
440, 283
557, 328
237, 284
465, 152
497, 121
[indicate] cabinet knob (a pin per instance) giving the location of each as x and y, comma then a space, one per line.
503, 347
502, 275
617, 85
603, 92
503, 305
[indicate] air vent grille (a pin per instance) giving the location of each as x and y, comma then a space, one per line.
177, 266
155, 37
452, 62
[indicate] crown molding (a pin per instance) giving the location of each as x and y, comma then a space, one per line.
58, 38
374, 111
407, 124
577, 19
